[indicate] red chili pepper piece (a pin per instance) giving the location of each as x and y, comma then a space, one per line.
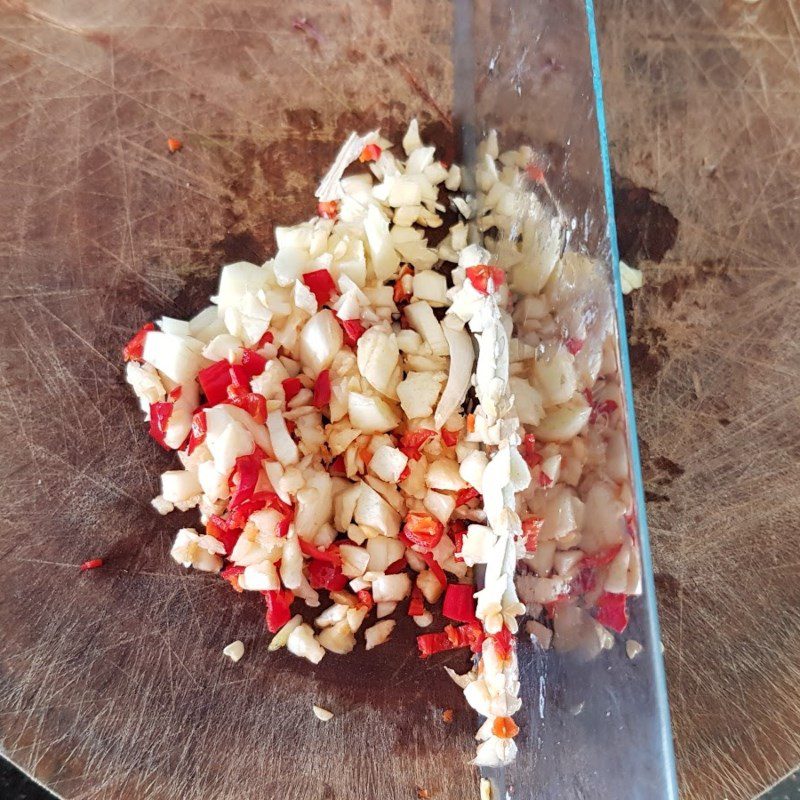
134, 350
480, 276
412, 442
370, 153
337, 466
531, 527
92, 563
214, 381
197, 435
159, 418
430, 643
328, 209
416, 606
322, 389
245, 477
470, 635
465, 495
503, 643
323, 575
505, 728
401, 292
529, 454
433, 566
449, 438
612, 611
602, 557
404, 474
353, 330
321, 284
239, 377
603, 409
365, 598
231, 574
267, 338
330, 555
220, 529
253, 403
291, 386
452, 638
535, 173
396, 566
423, 531
253, 363
278, 608
544, 479
173, 145
459, 604
457, 530
574, 346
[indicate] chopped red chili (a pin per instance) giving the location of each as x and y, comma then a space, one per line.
370, 153
324, 575
396, 566
92, 563
214, 381
465, 495
459, 603
449, 438
173, 145
220, 529
503, 643
278, 608
612, 611
353, 330
423, 531
291, 386
328, 209
402, 288
159, 418
574, 346
532, 458
412, 442
321, 285
505, 728
603, 409
253, 403
197, 434
416, 606
457, 530
330, 555
531, 527
322, 389
253, 363
231, 574
481, 275
134, 350
267, 338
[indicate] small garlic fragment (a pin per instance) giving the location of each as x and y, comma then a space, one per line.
633, 648
322, 713
234, 651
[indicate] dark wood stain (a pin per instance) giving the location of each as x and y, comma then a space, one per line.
646, 228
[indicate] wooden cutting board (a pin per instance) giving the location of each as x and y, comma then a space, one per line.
111, 683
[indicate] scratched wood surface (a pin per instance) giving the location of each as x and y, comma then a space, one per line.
111, 683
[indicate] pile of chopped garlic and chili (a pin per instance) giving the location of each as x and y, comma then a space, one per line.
366, 418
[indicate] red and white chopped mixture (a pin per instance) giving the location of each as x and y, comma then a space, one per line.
365, 418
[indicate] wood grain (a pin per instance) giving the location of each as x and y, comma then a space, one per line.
111, 683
